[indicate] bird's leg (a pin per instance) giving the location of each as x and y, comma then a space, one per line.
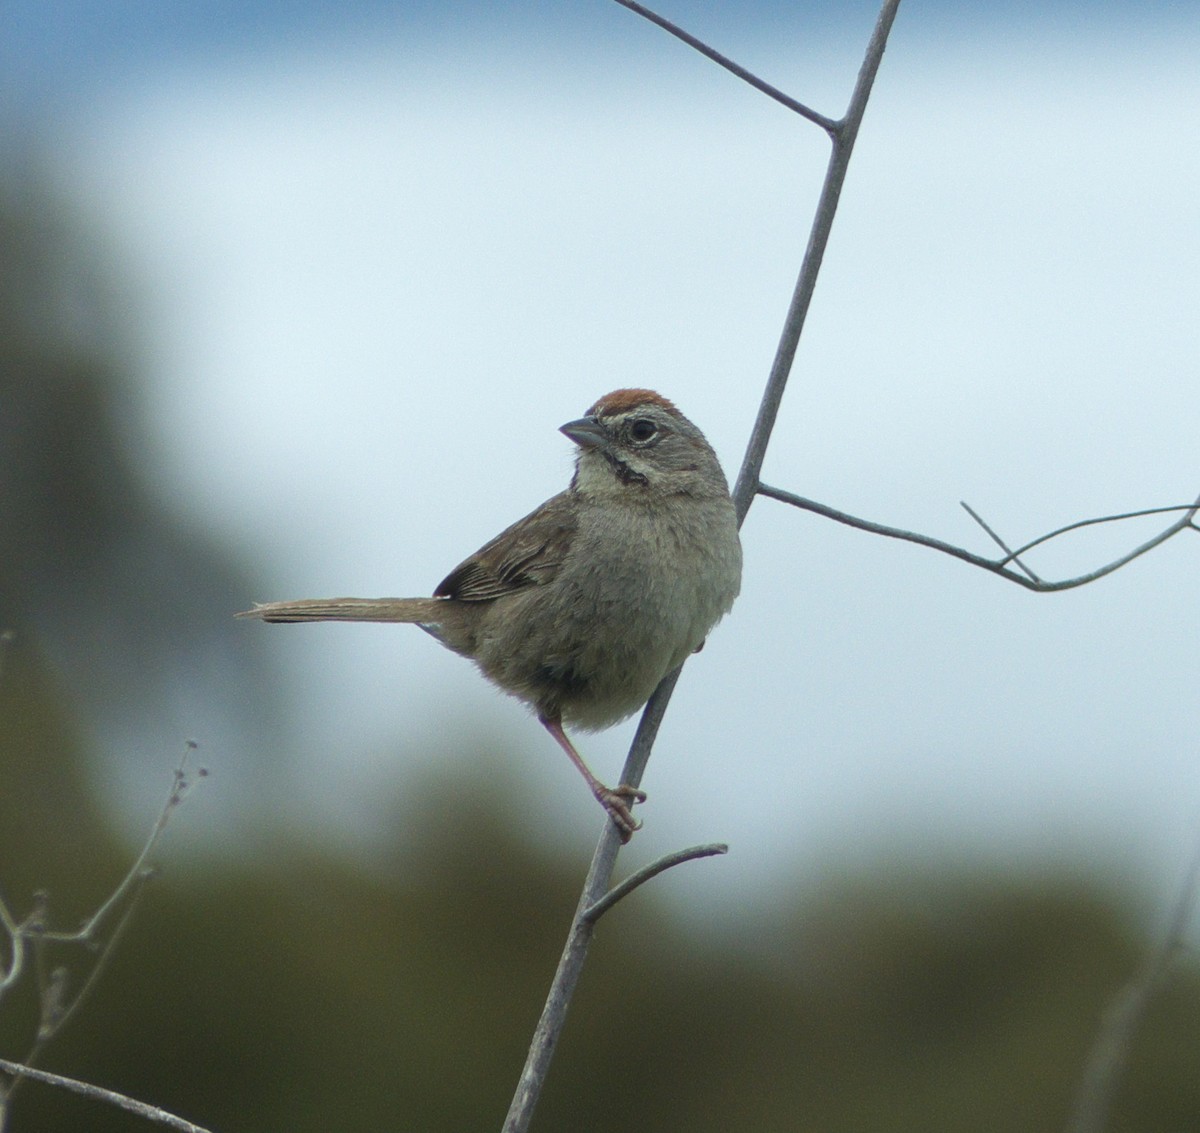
615, 800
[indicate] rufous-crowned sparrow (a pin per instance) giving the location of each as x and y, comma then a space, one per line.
581, 608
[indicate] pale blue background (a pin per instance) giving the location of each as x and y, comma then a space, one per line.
377, 253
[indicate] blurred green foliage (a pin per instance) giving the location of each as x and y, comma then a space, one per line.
308, 992
296, 989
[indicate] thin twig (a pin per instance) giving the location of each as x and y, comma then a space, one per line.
55, 1010
835, 175
570, 965
574, 954
634, 880
1010, 556
180, 787
16, 945
99, 1093
996, 566
1125, 1013
1189, 508
58, 1019
827, 124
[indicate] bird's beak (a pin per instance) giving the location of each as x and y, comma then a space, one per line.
587, 432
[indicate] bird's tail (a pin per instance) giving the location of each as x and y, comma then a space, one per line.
419, 610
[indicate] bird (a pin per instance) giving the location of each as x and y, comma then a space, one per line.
581, 608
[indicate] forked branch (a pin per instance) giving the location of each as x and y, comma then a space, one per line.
31, 935
827, 124
842, 134
1001, 566
634, 880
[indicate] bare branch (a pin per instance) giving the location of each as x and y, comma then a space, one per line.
1125, 1013
1008, 551
1000, 566
56, 1017
570, 964
835, 175
137, 874
98, 1093
56, 1007
842, 135
827, 124
596, 911
1189, 508
16, 946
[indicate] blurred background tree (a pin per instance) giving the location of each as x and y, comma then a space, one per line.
294, 987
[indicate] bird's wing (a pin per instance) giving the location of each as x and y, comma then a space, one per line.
529, 553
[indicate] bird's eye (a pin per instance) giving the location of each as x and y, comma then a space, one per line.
642, 429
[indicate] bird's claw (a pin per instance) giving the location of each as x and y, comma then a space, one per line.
618, 801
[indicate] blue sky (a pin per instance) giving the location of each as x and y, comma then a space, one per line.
52, 44
543, 202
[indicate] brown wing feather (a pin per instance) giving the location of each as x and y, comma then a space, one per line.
529, 553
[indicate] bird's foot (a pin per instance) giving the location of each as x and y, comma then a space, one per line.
618, 801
